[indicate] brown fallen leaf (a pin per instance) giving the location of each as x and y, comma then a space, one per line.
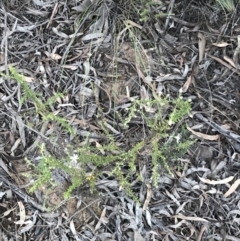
213, 182
232, 188
204, 136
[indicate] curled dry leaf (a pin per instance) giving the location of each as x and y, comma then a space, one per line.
213, 182
232, 188
22, 214
148, 198
204, 136
59, 33
29, 223
55, 56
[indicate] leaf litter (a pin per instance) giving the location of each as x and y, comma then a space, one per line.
50, 44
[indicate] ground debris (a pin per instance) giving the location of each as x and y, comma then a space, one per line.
89, 70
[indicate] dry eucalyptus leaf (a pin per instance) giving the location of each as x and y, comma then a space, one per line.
204, 136
36, 12
201, 46
230, 61
2, 58
148, 218
21, 127
186, 84
28, 79
25, 29
100, 148
138, 236
213, 182
222, 44
190, 218
44, 4
232, 188
30, 223
22, 214
84, 5
103, 219
73, 229
71, 67
148, 197
92, 36
55, 56
59, 33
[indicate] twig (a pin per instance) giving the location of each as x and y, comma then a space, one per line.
53, 13
170, 8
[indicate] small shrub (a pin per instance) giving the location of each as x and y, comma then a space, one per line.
228, 5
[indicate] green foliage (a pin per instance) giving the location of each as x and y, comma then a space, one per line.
118, 159
147, 10
159, 115
42, 108
160, 129
228, 5
181, 108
